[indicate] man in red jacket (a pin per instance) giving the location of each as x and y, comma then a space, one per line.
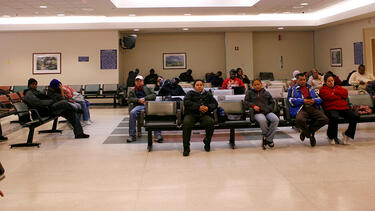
233, 81
335, 105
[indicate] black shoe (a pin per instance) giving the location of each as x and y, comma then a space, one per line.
312, 140
3, 138
131, 139
186, 151
337, 141
159, 139
302, 136
264, 142
270, 144
207, 146
82, 135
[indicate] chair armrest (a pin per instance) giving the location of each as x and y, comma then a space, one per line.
38, 115
252, 115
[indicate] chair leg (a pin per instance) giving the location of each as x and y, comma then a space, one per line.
232, 138
29, 142
139, 129
149, 139
53, 130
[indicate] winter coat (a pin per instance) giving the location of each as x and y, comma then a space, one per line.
296, 99
170, 89
193, 100
150, 95
262, 99
334, 98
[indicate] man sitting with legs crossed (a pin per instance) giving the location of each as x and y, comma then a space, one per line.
304, 105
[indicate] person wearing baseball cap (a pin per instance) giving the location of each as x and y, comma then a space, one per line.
139, 96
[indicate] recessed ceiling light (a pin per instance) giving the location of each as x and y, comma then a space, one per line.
185, 29
297, 7
60, 15
187, 14
132, 15
280, 28
87, 9
43, 6
304, 4
136, 30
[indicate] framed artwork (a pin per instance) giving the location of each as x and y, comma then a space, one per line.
46, 63
174, 60
336, 57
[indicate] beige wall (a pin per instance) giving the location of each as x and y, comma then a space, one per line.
295, 47
243, 57
205, 53
341, 36
17, 48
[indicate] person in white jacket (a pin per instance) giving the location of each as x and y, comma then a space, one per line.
360, 78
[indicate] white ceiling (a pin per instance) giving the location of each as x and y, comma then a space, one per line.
16, 15
27, 8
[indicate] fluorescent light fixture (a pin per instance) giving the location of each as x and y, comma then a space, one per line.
304, 4
297, 7
43, 6
185, 29
182, 3
136, 30
280, 28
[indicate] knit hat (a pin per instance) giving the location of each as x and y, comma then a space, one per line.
30, 81
55, 83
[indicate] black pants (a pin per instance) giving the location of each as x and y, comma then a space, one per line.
317, 117
334, 115
189, 121
64, 109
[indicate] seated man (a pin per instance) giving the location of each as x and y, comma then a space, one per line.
233, 82
360, 78
186, 76
370, 88
152, 78
47, 107
316, 80
171, 88
139, 95
303, 106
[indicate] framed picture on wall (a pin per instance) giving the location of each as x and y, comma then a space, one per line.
174, 60
336, 57
46, 63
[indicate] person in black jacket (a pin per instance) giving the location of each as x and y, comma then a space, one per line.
242, 76
186, 76
198, 104
48, 107
152, 78
171, 88
261, 101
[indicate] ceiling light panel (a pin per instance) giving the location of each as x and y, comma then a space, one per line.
182, 3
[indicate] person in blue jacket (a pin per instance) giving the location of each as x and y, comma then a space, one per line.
304, 105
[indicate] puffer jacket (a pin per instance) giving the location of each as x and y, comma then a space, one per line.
193, 100
262, 99
296, 99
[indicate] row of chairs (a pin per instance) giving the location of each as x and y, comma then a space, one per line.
164, 115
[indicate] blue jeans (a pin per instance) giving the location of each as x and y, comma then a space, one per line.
268, 124
133, 116
85, 109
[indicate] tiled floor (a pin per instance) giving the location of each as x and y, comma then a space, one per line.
69, 174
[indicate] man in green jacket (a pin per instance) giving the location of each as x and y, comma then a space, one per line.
138, 96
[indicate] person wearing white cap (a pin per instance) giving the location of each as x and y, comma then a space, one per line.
294, 80
139, 95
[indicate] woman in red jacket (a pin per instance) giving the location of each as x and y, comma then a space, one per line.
335, 105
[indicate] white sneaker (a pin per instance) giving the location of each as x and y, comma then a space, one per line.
87, 122
345, 139
90, 121
331, 141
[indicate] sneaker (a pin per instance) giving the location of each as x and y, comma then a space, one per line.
82, 135
159, 139
207, 146
90, 121
312, 140
345, 139
87, 122
131, 139
270, 144
331, 141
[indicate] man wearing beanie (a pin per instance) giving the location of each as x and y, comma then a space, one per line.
47, 107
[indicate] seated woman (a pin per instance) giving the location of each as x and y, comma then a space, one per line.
262, 103
198, 105
72, 95
335, 105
